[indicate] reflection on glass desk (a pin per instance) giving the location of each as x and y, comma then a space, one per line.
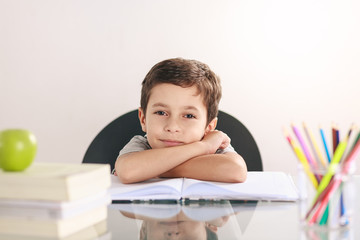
208, 220
225, 220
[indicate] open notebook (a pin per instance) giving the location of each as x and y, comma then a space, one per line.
272, 186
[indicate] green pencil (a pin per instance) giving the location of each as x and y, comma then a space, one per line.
332, 167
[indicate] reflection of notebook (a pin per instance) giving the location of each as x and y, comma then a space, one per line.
196, 212
276, 186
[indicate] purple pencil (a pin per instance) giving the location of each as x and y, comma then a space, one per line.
309, 157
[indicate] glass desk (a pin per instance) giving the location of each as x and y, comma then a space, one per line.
209, 220
249, 220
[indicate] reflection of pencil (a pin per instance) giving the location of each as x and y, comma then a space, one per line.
314, 144
300, 155
325, 145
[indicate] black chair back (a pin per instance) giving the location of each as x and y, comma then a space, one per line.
107, 144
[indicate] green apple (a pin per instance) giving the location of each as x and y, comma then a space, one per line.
17, 149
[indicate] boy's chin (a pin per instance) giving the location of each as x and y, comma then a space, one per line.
172, 143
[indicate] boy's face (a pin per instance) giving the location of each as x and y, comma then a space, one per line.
174, 230
174, 116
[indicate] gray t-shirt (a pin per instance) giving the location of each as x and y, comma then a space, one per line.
140, 143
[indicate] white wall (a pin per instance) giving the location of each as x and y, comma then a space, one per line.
67, 68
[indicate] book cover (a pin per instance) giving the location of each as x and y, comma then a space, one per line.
51, 228
47, 210
55, 181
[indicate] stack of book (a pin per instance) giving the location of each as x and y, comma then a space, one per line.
54, 201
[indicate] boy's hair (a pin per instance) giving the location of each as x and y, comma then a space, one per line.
185, 73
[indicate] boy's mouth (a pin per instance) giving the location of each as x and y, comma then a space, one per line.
171, 143
171, 223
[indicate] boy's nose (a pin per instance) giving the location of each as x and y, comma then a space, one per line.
172, 126
172, 235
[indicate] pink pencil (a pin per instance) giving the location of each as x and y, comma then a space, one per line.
305, 149
334, 184
325, 201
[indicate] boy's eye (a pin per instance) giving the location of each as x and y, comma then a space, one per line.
161, 113
189, 116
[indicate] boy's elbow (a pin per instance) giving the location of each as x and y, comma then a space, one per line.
127, 177
238, 172
238, 176
124, 178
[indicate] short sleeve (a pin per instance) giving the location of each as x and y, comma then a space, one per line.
136, 144
226, 150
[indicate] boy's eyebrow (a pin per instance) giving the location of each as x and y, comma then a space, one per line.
159, 105
191, 108
166, 106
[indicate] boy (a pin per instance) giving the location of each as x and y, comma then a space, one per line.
178, 113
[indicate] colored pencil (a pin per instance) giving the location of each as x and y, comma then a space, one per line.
352, 155
352, 139
324, 202
334, 131
314, 144
325, 144
304, 148
329, 184
332, 167
356, 140
319, 199
335, 142
324, 196
300, 155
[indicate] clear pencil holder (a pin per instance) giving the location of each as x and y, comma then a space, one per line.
329, 209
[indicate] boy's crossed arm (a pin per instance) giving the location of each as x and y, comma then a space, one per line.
194, 160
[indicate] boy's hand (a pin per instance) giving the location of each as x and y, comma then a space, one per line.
215, 139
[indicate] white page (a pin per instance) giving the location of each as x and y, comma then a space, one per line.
148, 190
258, 186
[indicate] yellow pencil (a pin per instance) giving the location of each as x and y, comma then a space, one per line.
315, 145
301, 156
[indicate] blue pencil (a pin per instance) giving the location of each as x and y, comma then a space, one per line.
325, 145
326, 213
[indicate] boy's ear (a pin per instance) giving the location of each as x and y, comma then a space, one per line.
212, 125
142, 119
